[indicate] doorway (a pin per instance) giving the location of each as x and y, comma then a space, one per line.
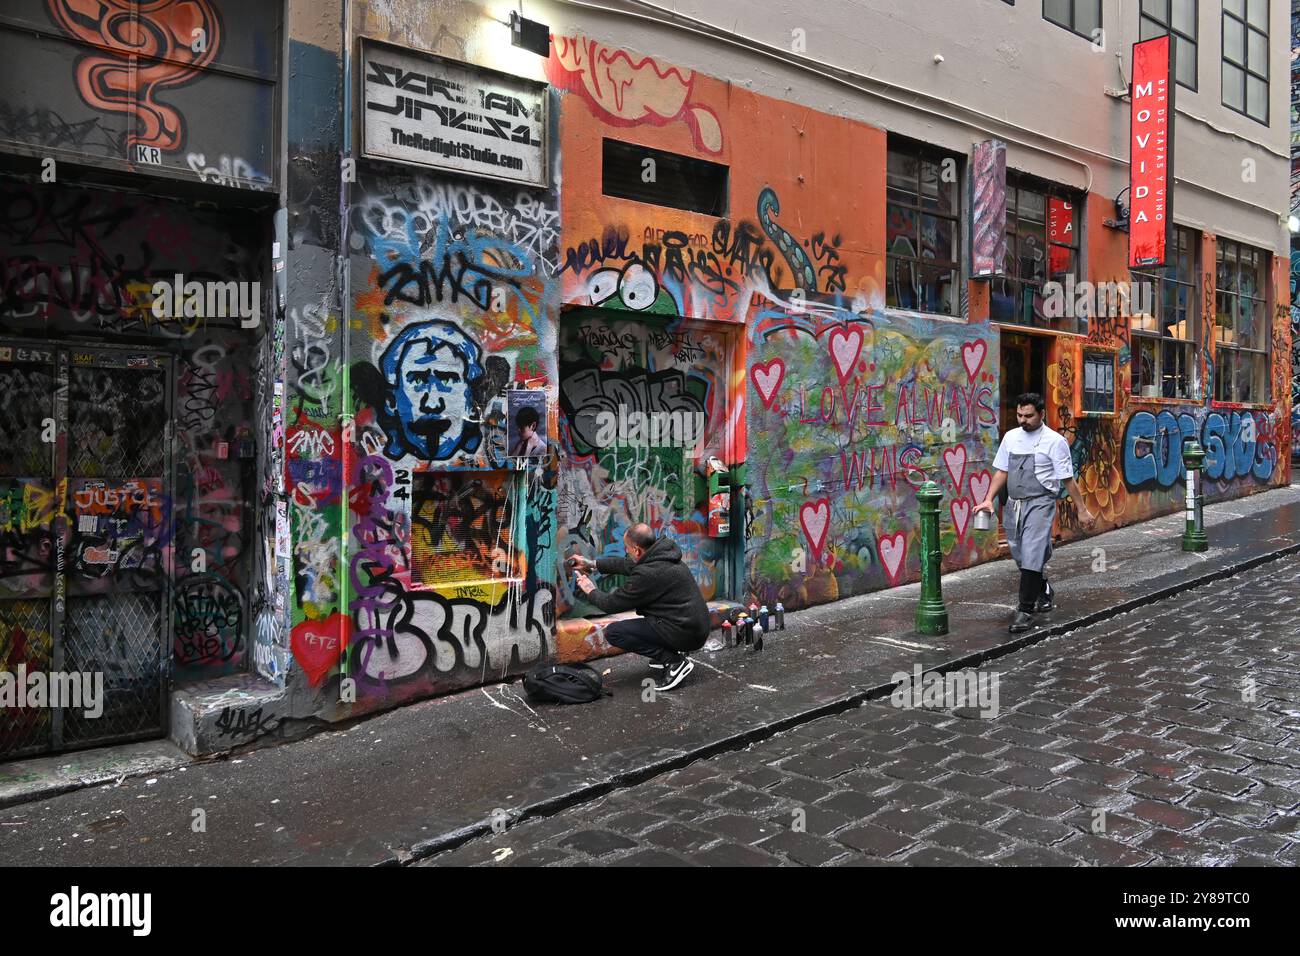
85, 542
643, 407
1023, 369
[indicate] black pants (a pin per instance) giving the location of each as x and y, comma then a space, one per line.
638, 635
1033, 585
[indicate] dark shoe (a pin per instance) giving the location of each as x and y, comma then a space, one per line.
657, 667
674, 674
1021, 622
1044, 603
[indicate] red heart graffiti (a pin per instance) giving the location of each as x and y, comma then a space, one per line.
972, 356
318, 645
845, 348
960, 509
979, 486
815, 517
954, 460
893, 552
767, 379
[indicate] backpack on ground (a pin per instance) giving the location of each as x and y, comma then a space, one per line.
564, 684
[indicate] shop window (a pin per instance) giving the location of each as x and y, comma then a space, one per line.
923, 231
1077, 16
1245, 57
461, 525
1098, 382
1177, 18
1042, 246
1165, 324
1241, 329
654, 176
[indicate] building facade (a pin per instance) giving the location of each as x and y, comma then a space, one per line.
749, 277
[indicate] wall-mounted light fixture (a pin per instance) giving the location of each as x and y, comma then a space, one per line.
529, 34
1121, 213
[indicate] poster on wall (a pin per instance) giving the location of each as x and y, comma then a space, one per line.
429, 111
526, 424
1151, 152
989, 209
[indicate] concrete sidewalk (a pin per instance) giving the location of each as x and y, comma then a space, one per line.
422, 778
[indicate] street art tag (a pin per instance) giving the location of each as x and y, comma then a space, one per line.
954, 459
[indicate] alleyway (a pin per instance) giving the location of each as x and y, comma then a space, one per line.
1125, 743
1140, 715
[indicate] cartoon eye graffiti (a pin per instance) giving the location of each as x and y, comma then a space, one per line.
638, 287
602, 285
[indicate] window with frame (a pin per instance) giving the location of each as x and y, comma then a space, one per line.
1245, 57
1042, 247
923, 229
1165, 322
1241, 330
1077, 16
1178, 18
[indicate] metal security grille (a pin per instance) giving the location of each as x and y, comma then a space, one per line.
25, 647
461, 528
84, 521
116, 422
118, 637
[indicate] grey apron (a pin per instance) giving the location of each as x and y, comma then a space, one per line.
1029, 514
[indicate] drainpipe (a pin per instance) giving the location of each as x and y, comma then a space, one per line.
346, 422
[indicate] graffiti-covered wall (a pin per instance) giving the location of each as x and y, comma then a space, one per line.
833, 411
1130, 464
451, 543
79, 265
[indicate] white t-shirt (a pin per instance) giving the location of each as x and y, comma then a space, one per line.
1052, 463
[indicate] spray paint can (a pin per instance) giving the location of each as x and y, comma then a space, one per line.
763, 617
780, 616
758, 636
726, 633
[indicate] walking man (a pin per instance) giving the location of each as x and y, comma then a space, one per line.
675, 619
1032, 463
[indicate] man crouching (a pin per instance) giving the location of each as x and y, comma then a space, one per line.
674, 618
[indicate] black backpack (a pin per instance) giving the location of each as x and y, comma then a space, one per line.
564, 684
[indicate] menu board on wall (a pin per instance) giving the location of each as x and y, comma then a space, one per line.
430, 111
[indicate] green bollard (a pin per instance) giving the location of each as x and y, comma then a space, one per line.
931, 615
1194, 538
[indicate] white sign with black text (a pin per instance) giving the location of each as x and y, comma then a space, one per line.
430, 111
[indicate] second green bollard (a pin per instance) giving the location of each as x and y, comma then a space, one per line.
931, 615
1194, 538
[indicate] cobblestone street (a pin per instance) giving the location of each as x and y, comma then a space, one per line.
1167, 736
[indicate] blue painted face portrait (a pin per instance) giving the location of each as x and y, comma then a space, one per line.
432, 372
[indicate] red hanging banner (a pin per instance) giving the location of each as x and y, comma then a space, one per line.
1151, 152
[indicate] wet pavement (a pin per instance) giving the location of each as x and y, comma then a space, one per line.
1169, 736
411, 782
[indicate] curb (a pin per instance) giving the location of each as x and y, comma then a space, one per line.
552, 805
